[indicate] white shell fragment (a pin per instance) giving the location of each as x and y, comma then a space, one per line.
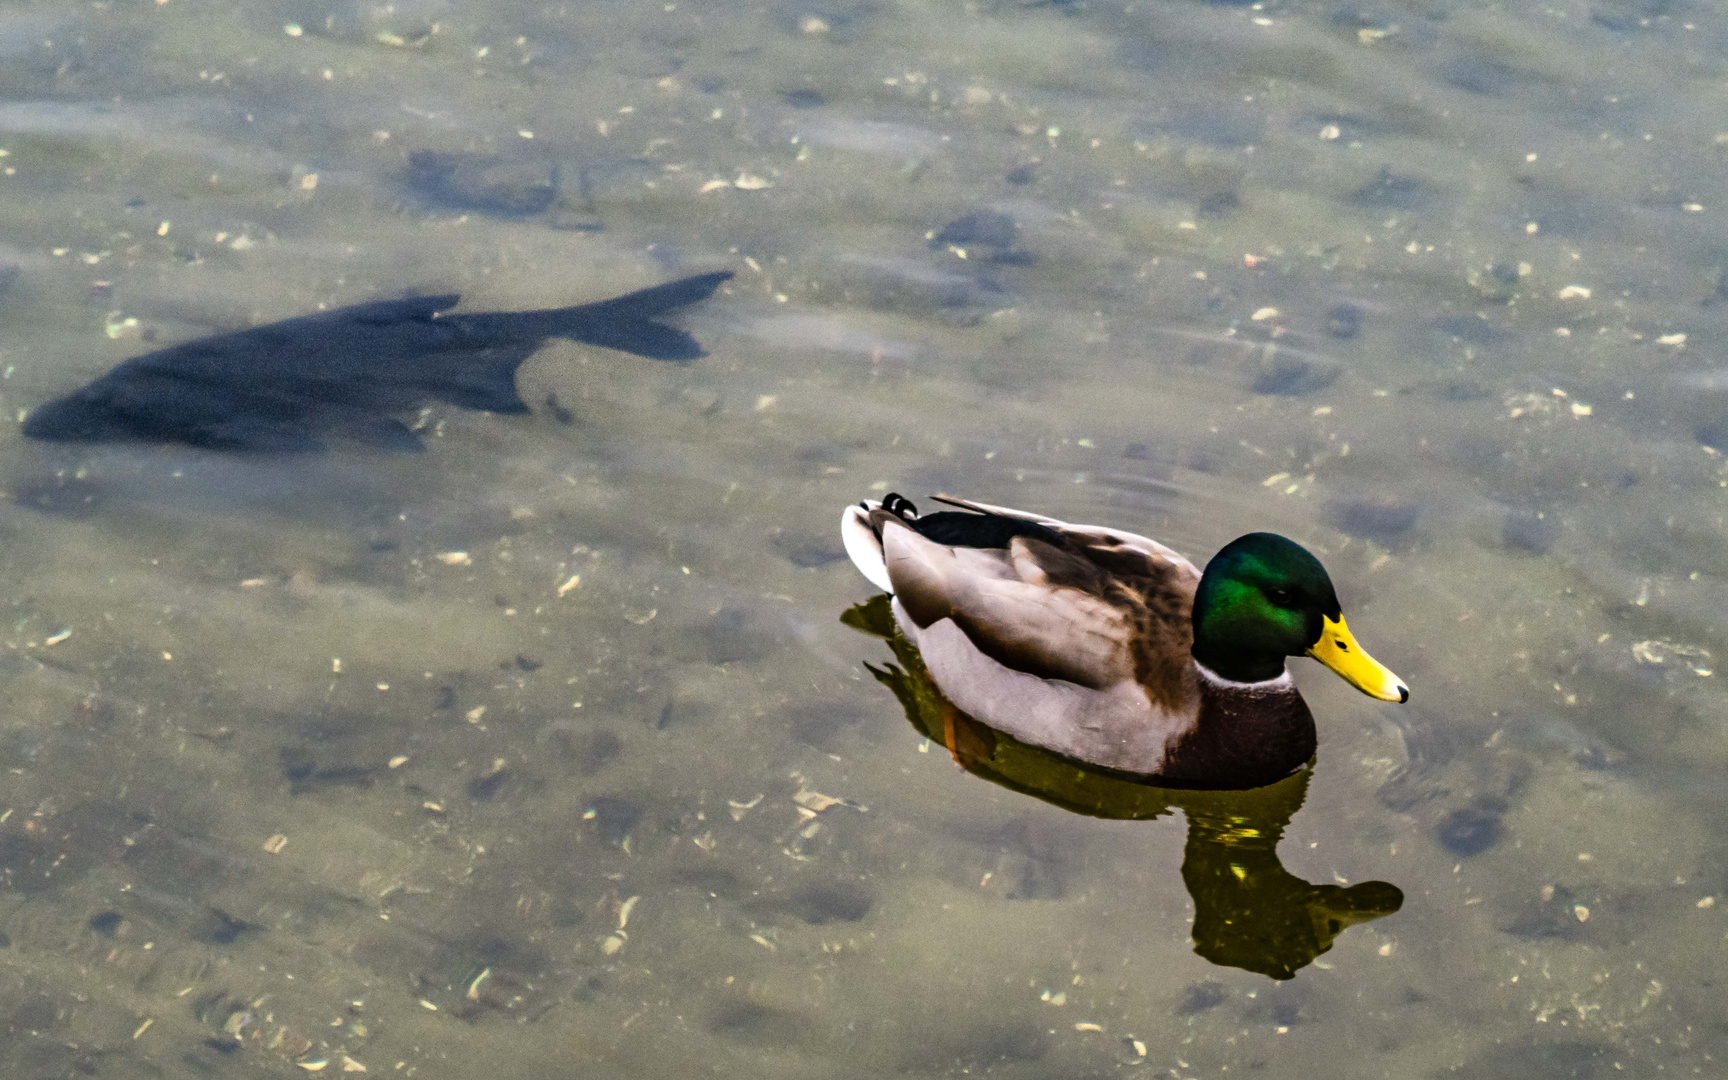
816, 802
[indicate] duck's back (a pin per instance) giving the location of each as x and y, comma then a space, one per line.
1072, 638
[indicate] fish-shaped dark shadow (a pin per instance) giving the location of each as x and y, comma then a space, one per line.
1249, 912
348, 373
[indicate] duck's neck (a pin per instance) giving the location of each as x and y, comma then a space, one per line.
1234, 664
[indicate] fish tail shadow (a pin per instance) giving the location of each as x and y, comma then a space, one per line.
627, 323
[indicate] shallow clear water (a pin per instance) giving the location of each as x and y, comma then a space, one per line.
489, 760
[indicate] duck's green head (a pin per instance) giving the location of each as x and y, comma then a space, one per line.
1264, 598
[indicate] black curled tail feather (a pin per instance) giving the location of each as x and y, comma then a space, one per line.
900, 506
960, 529
893, 507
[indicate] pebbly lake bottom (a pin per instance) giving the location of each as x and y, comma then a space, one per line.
582, 771
545, 753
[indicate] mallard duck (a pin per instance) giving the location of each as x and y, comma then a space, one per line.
1111, 648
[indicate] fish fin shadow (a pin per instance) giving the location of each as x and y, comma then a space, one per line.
627, 322
486, 382
653, 340
654, 301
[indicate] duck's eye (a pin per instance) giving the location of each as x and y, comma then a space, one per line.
1279, 596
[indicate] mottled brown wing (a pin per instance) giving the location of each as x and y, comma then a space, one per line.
1091, 617
1153, 588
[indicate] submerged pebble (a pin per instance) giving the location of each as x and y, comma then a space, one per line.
1286, 375
488, 183
1530, 531
614, 818
1200, 997
822, 904
1713, 433
1344, 321
987, 234
1389, 190
1469, 831
1384, 519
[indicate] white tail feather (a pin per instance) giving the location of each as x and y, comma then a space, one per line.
863, 547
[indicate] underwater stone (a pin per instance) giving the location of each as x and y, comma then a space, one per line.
1294, 376
1384, 519
498, 185
1469, 831
589, 751
222, 928
1530, 531
614, 818
1470, 330
1344, 321
1478, 75
1217, 203
1713, 433
303, 773
484, 788
984, 229
37, 1013
811, 556
822, 904
1555, 916
750, 1022
979, 227
1198, 998
1388, 190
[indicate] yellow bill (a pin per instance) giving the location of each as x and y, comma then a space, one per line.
1337, 649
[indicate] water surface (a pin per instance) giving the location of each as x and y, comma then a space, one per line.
499, 759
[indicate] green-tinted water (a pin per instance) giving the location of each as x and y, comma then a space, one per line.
515, 757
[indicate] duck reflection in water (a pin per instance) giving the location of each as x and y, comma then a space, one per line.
1249, 912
